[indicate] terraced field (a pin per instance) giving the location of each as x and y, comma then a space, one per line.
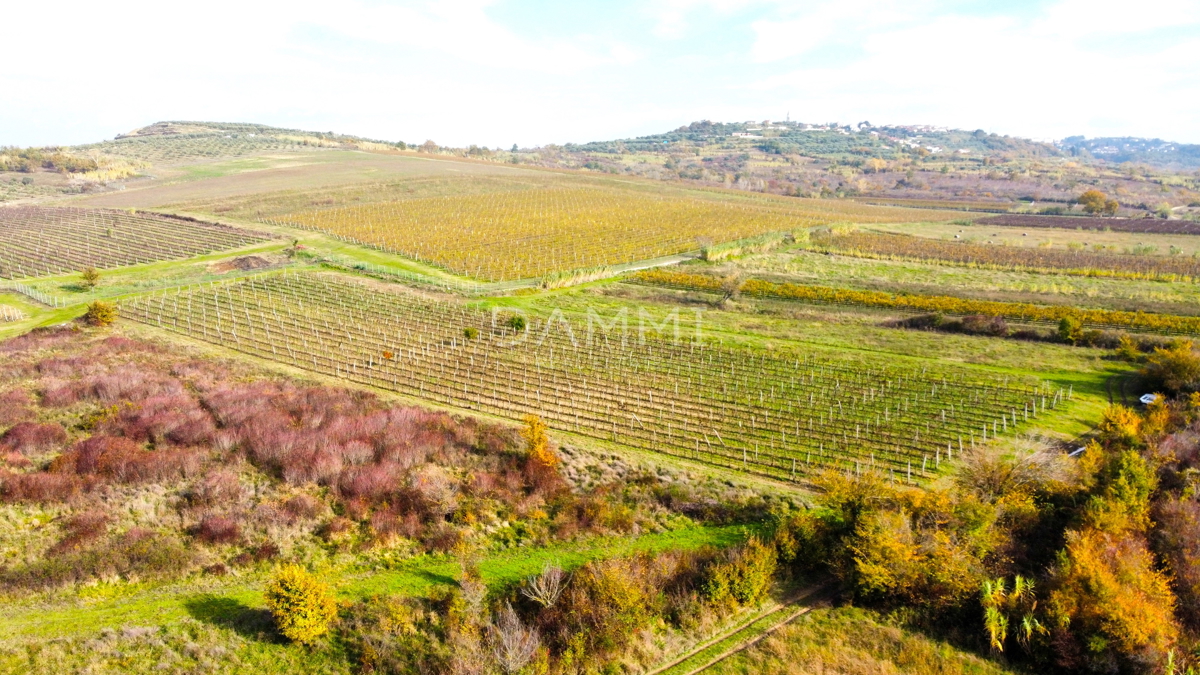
42, 241
782, 414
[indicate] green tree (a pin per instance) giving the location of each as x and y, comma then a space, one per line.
1070, 330
302, 606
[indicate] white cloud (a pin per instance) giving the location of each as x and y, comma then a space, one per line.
1050, 76
456, 73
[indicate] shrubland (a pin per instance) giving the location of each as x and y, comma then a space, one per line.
128, 459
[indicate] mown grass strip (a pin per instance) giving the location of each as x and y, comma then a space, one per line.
223, 602
743, 635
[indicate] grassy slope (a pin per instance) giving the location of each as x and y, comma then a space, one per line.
221, 601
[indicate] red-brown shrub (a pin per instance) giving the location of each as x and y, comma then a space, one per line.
81, 529
60, 395
63, 367
1176, 540
14, 407
38, 338
320, 466
337, 528
139, 552
28, 437
442, 538
218, 488
265, 551
175, 419
130, 385
39, 487
389, 523
302, 506
371, 483
121, 460
15, 460
218, 530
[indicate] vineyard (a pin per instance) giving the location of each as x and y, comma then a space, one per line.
1055, 261
1140, 225
780, 414
529, 233
43, 241
1016, 311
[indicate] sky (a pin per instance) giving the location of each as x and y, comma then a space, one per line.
534, 72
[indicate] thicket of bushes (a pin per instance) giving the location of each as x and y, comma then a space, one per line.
1074, 564
245, 468
53, 159
594, 619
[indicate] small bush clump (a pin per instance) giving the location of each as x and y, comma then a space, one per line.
302, 606
100, 313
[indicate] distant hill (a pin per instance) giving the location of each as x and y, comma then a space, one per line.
833, 141
1131, 149
176, 142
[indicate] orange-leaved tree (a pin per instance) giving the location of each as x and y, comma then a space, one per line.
541, 463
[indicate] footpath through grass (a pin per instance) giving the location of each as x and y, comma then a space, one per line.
222, 602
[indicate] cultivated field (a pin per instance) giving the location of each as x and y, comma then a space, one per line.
1021, 312
41, 241
779, 414
530, 233
1142, 225
1097, 262
933, 277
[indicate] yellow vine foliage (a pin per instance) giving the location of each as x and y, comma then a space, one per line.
520, 232
888, 246
1017, 311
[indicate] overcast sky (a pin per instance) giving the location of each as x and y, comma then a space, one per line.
552, 71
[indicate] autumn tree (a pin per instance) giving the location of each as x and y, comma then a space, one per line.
1096, 202
1070, 330
89, 277
541, 463
100, 313
1092, 201
1175, 368
301, 604
1108, 604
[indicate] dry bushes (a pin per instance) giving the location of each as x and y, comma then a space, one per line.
137, 552
218, 530
29, 438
